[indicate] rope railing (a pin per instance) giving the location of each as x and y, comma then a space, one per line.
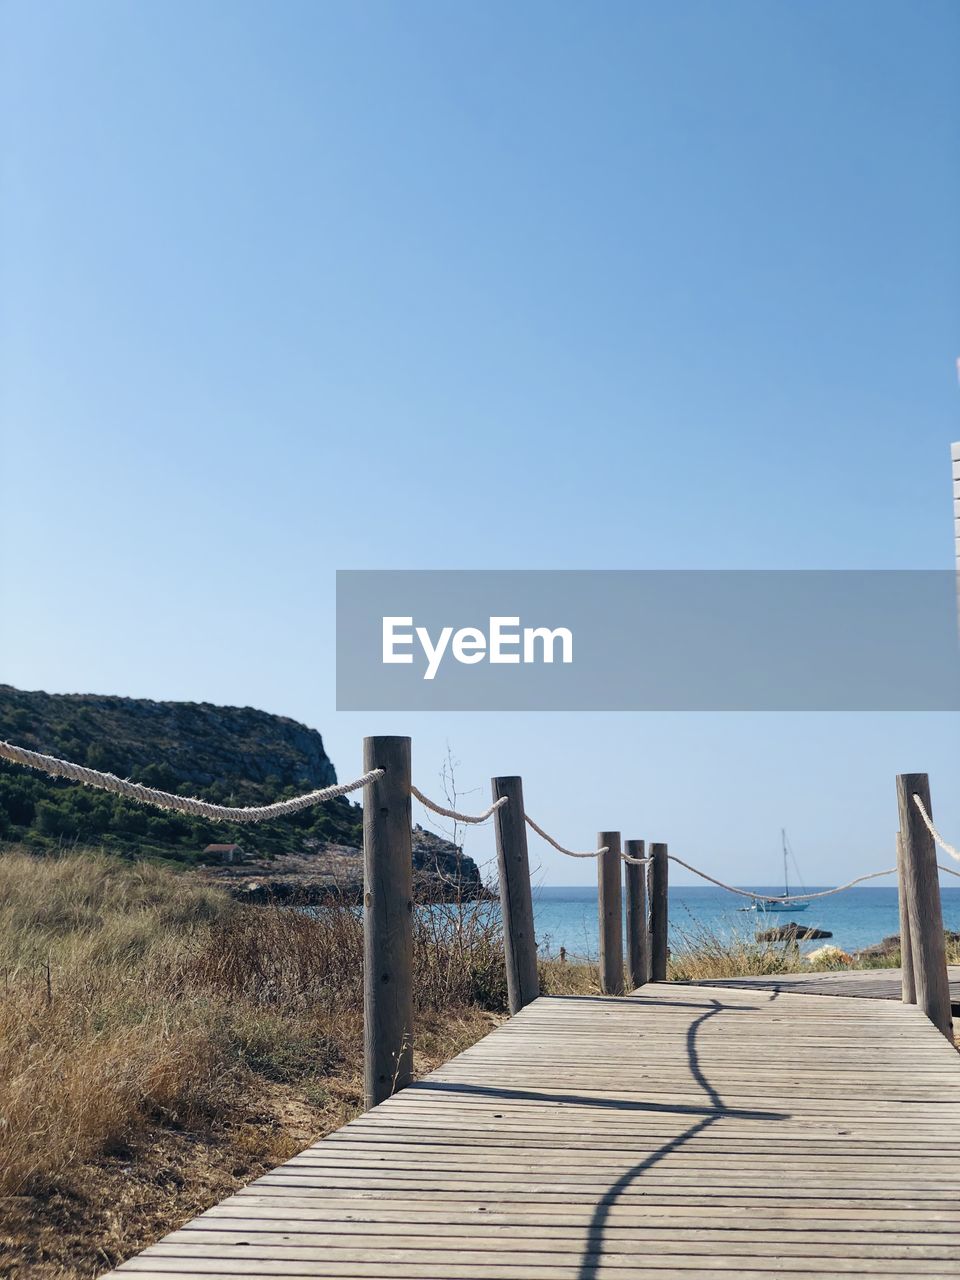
570, 853
928, 823
473, 819
197, 808
771, 897
635, 862
388, 1014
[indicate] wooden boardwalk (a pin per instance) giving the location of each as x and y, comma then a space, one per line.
682, 1132
872, 984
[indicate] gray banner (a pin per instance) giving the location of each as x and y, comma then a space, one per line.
690, 640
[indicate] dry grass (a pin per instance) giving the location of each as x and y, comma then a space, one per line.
141, 1011
161, 1045
703, 954
561, 978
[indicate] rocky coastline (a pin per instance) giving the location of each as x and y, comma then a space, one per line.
230, 755
325, 872
888, 949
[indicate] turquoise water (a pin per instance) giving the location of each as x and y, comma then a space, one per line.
567, 917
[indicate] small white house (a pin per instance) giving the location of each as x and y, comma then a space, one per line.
228, 853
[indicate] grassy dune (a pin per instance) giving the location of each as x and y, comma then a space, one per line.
161, 1045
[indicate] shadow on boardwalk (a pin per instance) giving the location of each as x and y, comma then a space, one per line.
592, 1259
713, 1110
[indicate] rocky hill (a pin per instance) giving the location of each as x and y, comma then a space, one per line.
231, 755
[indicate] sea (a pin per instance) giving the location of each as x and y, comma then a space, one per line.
857, 918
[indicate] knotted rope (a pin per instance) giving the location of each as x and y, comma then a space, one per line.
635, 862
476, 818
570, 853
928, 823
198, 808
181, 804
471, 818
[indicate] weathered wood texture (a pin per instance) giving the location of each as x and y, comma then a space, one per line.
870, 984
638, 947
678, 1134
387, 920
516, 898
659, 912
908, 986
610, 907
922, 883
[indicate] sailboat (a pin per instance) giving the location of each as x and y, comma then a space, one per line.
785, 903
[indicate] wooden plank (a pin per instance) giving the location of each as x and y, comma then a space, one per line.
688, 1131
546, 1261
872, 984
562, 1237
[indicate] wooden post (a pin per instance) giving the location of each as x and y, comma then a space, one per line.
923, 903
387, 921
637, 943
611, 914
659, 912
908, 986
516, 899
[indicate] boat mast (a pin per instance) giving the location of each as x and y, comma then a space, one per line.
786, 884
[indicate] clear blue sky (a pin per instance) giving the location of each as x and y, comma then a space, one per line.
297, 287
